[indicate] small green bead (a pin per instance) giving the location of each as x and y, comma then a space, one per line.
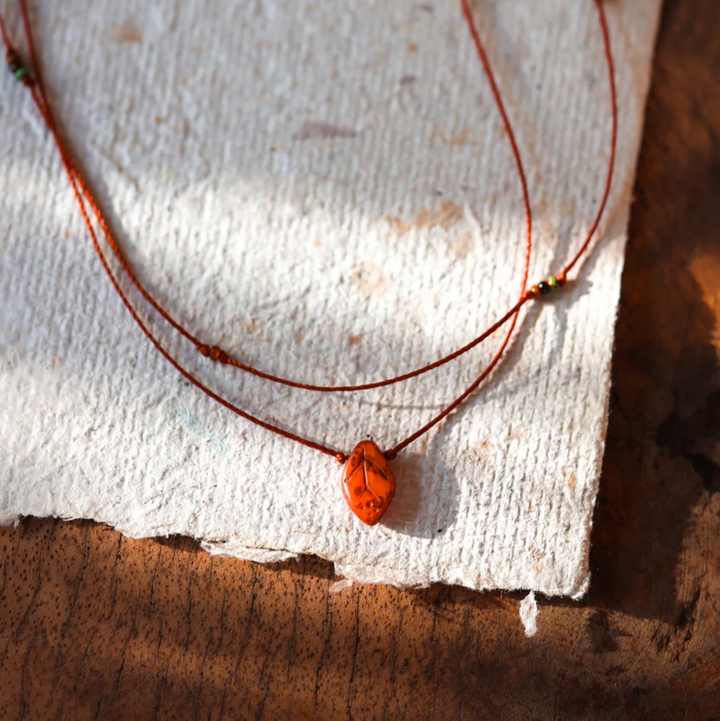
20, 73
553, 282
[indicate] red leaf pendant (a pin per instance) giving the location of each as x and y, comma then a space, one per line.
367, 482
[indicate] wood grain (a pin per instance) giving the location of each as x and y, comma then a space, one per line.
97, 626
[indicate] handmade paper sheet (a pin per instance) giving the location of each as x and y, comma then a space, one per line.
324, 189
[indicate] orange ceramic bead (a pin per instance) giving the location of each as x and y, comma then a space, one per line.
367, 482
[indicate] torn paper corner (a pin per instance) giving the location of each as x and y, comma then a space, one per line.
579, 592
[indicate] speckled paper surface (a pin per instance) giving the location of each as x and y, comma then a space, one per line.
325, 190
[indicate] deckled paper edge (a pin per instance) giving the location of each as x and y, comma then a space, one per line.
231, 549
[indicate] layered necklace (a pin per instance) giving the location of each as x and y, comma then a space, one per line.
367, 480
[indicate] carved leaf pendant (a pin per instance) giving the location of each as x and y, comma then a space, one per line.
367, 482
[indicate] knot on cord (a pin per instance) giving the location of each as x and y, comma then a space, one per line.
214, 353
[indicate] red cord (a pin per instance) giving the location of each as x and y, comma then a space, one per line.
562, 276
80, 189
222, 356
613, 143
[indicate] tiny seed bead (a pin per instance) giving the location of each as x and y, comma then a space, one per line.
16, 67
13, 60
545, 286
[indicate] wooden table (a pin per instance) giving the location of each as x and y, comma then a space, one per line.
94, 625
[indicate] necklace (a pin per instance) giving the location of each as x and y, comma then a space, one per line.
368, 485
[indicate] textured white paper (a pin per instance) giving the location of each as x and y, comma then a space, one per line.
325, 190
